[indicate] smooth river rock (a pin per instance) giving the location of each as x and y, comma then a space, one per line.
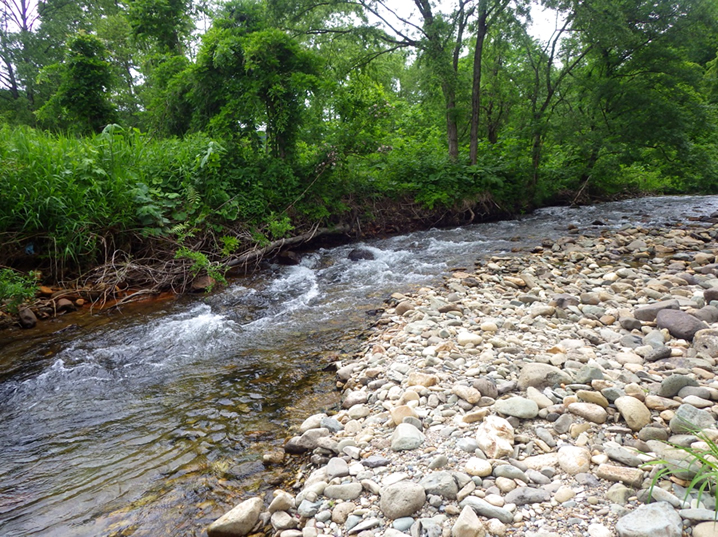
237, 522
652, 520
402, 499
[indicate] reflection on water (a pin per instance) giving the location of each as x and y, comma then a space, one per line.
153, 423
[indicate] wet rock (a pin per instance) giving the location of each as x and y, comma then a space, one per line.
360, 254
237, 522
679, 324
652, 520
26, 317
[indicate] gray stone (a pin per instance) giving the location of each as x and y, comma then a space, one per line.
697, 515
438, 462
679, 323
365, 525
629, 323
659, 353
563, 423
518, 407
332, 424
670, 386
649, 312
375, 461
587, 374
281, 520
307, 442
706, 342
345, 491
689, 419
652, 520
403, 523
237, 522
657, 494
308, 509
619, 493
467, 444
527, 495
708, 314
441, 484
510, 471
623, 456
486, 387
406, 437
653, 433
402, 499
542, 376
352, 398
484, 508
337, 467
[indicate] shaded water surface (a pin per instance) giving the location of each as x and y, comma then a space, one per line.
153, 422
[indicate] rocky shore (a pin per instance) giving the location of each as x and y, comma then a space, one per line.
524, 397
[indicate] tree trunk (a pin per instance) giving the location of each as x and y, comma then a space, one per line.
535, 164
452, 129
476, 84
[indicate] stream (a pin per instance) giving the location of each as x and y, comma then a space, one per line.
153, 421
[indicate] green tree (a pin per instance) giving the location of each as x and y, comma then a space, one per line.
81, 102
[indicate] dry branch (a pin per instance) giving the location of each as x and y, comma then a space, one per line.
257, 254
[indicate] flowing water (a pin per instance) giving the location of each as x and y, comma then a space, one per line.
153, 422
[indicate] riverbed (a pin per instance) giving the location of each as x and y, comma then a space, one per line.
153, 421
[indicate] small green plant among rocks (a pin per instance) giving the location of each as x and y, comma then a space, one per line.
698, 466
15, 288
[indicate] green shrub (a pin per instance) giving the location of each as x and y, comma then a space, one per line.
15, 288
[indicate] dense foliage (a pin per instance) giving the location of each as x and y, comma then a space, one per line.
219, 127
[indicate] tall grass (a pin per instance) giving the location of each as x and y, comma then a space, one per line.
60, 195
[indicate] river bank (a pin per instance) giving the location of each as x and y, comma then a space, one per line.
521, 398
